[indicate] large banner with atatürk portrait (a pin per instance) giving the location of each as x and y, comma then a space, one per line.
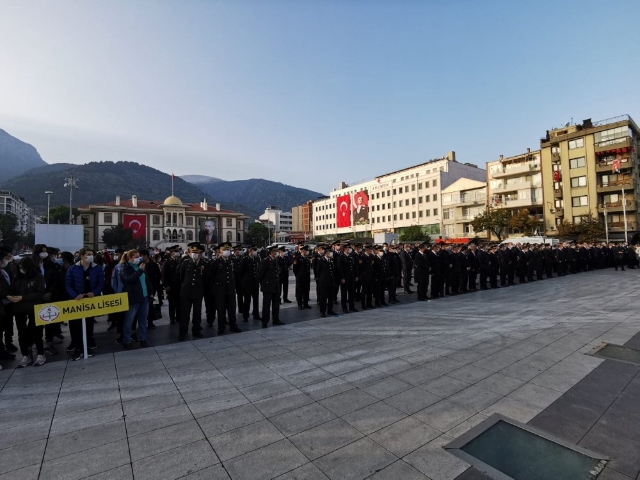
361, 208
208, 234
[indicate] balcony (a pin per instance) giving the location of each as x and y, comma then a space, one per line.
618, 206
627, 183
555, 156
519, 169
611, 145
619, 226
557, 193
606, 165
469, 199
514, 187
559, 212
518, 202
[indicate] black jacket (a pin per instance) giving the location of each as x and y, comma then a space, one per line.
268, 275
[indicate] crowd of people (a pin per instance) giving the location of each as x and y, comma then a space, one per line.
228, 281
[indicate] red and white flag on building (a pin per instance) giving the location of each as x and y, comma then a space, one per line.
137, 223
343, 213
615, 166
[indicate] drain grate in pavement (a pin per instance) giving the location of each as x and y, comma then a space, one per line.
617, 352
506, 449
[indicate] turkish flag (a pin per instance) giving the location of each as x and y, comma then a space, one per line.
137, 223
343, 214
615, 166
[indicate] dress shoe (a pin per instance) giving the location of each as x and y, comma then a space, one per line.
257, 317
197, 334
278, 322
287, 301
353, 310
384, 304
235, 329
265, 325
331, 312
172, 322
245, 320
308, 307
300, 307
144, 344
323, 315
182, 338
151, 325
127, 346
344, 310
408, 291
221, 331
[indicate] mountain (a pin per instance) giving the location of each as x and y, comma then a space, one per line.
256, 193
16, 156
197, 179
101, 181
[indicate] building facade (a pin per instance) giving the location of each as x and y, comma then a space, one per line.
392, 201
162, 223
10, 203
462, 201
302, 218
279, 223
592, 169
515, 183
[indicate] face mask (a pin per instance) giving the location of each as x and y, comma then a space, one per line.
330, 254
137, 260
347, 251
116, 258
385, 249
22, 270
226, 253
321, 252
59, 261
89, 259
305, 253
43, 255
381, 254
195, 256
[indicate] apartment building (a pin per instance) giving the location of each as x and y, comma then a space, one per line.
592, 169
393, 201
462, 201
10, 203
515, 183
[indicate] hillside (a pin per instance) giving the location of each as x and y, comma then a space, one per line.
16, 156
257, 193
102, 181
197, 179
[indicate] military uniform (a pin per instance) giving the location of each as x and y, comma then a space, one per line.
269, 275
224, 290
171, 284
365, 272
193, 277
325, 281
302, 272
346, 277
249, 285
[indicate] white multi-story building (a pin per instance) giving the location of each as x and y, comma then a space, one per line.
392, 201
15, 205
279, 223
462, 201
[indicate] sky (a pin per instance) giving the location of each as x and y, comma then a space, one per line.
305, 92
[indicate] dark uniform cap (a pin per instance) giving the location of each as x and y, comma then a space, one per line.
337, 242
304, 247
272, 249
282, 249
224, 246
196, 247
251, 247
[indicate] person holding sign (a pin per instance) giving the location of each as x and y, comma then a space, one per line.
85, 279
26, 290
138, 287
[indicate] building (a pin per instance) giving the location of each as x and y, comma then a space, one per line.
279, 223
392, 201
162, 223
515, 183
592, 169
10, 203
302, 218
462, 201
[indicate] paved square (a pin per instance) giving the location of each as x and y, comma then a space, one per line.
373, 394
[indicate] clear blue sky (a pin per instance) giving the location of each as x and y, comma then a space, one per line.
309, 92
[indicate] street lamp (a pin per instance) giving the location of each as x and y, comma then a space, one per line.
48, 194
71, 182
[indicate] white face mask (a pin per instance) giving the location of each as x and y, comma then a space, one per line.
381, 254
43, 255
195, 256
137, 260
116, 258
226, 253
330, 254
88, 259
22, 270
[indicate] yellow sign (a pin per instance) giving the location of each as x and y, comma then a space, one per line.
48, 313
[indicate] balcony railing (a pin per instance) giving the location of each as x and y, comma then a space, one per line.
517, 170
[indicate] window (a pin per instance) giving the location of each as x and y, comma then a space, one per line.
426, 184
189, 221
189, 236
229, 237
229, 222
156, 235
420, 186
577, 143
447, 213
435, 197
86, 236
555, 150
420, 214
611, 136
395, 217
427, 213
435, 211
559, 203
388, 218
413, 188
435, 182
581, 201
394, 204
579, 181
401, 215
382, 194
400, 189
577, 219
577, 162
389, 206
413, 201
419, 199
427, 198
108, 218
84, 219
156, 219
383, 206
413, 214
400, 202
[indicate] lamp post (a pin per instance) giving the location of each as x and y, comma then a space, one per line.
48, 194
71, 182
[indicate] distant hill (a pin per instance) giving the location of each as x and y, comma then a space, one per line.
257, 193
101, 181
197, 179
16, 156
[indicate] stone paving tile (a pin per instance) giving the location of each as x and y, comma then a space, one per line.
405, 436
85, 439
27, 473
326, 438
245, 439
435, 462
119, 473
177, 462
301, 419
89, 418
444, 386
387, 387
86, 463
306, 472
267, 462
215, 472
155, 419
347, 402
535, 395
412, 400
399, 470
19, 456
356, 461
163, 439
374, 417
228, 420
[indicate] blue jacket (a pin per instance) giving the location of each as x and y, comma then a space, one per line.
74, 282
116, 281
130, 279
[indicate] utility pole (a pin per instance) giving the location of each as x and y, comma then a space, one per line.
72, 183
48, 194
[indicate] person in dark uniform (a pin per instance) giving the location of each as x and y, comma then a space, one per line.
337, 249
464, 269
484, 269
379, 278
193, 278
302, 272
503, 262
283, 275
549, 260
473, 265
223, 285
619, 256
435, 270
325, 281
364, 269
171, 283
421, 273
236, 257
268, 276
209, 300
249, 285
495, 266
347, 277
356, 255
407, 266
513, 261
394, 268
456, 269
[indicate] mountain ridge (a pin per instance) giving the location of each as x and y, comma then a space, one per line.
17, 156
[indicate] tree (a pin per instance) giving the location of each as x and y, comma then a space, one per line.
588, 229
8, 233
257, 234
414, 233
495, 220
118, 236
59, 214
524, 222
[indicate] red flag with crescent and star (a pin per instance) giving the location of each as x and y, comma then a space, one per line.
343, 214
137, 223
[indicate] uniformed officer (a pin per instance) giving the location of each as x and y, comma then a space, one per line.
236, 256
283, 275
249, 285
171, 283
347, 277
210, 300
379, 276
365, 273
421, 272
325, 281
192, 276
302, 272
223, 284
268, 276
